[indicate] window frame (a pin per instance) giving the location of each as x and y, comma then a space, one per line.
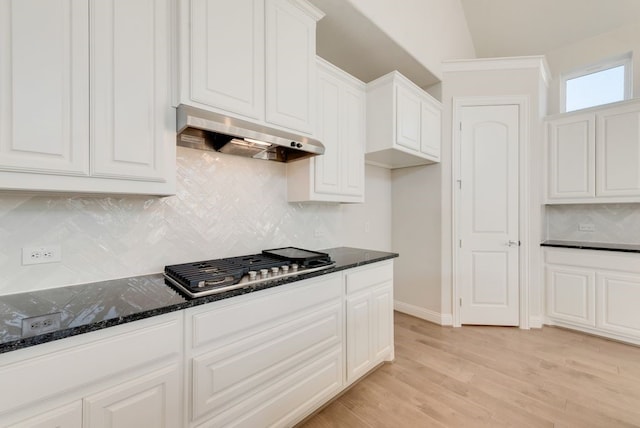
602, 65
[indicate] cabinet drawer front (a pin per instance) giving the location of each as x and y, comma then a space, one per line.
289, 399
368, 276
225, 376
227, 319
101, 358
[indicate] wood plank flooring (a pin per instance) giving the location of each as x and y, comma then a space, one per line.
493, 377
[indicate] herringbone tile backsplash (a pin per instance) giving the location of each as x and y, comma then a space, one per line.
224, 206
614, 223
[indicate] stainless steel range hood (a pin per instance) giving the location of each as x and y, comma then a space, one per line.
205, 130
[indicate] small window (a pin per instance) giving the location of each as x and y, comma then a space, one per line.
602, 83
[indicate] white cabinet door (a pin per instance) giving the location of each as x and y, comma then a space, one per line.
227, 55
618, 151
44, 86
328, 167
571, 163
571, 294
352, 141
69, 416
338, 175
359, 335
382, 316
431, 130
130, 87
408, 109
618, 297
152, 401
290, 65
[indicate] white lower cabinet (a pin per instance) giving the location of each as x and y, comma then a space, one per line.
594, 291
266, 358
126, 376
369, 318
571, 294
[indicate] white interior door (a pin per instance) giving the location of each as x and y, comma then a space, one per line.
488, 268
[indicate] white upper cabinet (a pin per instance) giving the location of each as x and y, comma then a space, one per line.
227, 64
594, 156
252, 59
618, 151
84, 96
129, 87
44, 82
404, 123
572, 149
338, 175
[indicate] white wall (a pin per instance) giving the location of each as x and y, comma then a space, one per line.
224, 206
588, 51
416, 236
430, 30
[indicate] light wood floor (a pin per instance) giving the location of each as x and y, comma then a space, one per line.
494, 377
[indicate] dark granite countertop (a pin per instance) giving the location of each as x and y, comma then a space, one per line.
98, 305
626, 248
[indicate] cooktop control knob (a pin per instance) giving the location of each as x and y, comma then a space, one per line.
274, 270
264, 273
252, 275
285, 269
294, 267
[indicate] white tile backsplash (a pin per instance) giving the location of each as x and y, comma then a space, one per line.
615, 223
224, 206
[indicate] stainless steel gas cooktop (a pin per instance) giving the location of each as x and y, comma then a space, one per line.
208, 277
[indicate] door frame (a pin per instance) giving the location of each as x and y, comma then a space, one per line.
524, 188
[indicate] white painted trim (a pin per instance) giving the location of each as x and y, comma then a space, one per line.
523, 103
507, 63
593, 331
422, 313
535, 322
309, 9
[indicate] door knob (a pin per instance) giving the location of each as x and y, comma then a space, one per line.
513, 243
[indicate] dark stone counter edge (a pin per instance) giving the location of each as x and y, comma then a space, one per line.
61, 334
598, 246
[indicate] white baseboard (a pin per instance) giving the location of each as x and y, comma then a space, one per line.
422, 313
535, 322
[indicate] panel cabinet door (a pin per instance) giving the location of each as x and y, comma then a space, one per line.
430, 130
227, 55
382, 321
359, 335
69, 416
44, 85
407, 118
618, 151
130, 88
571, 165
328, 166
352, 141
152, 400
571, 295
618, 297
290, 65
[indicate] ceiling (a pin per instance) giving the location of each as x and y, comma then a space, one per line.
346, 38
501, 28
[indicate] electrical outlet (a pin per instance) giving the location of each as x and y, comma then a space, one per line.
586, 227
41, 324
42, 254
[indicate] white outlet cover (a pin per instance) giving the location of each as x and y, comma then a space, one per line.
38, 254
